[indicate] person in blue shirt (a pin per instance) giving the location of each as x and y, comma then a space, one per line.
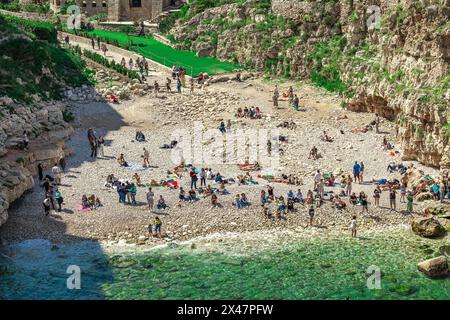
356, 171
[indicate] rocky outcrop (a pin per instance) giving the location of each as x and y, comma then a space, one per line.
17, 166
385, 57
435, 268
428, 227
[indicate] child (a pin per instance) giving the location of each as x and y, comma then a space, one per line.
353, 226
311, 215
158, 224
150, 229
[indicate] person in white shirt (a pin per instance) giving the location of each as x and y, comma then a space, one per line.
317, 178
57, 173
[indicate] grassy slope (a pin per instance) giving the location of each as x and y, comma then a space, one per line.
30, 66
166, 55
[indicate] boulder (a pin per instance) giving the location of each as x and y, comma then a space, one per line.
435, 268
428, 227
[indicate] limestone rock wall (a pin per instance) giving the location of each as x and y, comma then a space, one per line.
47, 131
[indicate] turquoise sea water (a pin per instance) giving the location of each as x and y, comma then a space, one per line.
331, 268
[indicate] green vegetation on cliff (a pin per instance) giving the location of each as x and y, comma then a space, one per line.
31, 66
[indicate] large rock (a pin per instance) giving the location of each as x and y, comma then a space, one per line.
428, 227
435, 268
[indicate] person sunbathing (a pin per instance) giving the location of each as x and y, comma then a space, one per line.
208, 191
239, 113
121, 161
222, 189
91, 201
250, 167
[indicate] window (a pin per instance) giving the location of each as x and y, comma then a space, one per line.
94, 4
104, 4
135, 3
84, 4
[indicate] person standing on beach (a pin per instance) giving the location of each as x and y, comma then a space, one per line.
349, 182
203, 177
93, 142
56, 173
356, 171
40, 171
101, 144
179, 85
409, 202
146, 156
59, 199
62, 163
194, 179
168, 83
392, 198
376, 196
353, 226
192, 84
311, 215
150, 199
377, 123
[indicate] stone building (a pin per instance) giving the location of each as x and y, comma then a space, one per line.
120, 10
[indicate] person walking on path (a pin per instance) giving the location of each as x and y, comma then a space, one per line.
98, 42
93, 43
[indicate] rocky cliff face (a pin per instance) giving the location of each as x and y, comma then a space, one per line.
43, 122
385, 57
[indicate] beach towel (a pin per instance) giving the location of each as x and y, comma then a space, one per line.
136, 167
362, 130
172, 184
81, 209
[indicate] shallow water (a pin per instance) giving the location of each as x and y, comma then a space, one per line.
321, 268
